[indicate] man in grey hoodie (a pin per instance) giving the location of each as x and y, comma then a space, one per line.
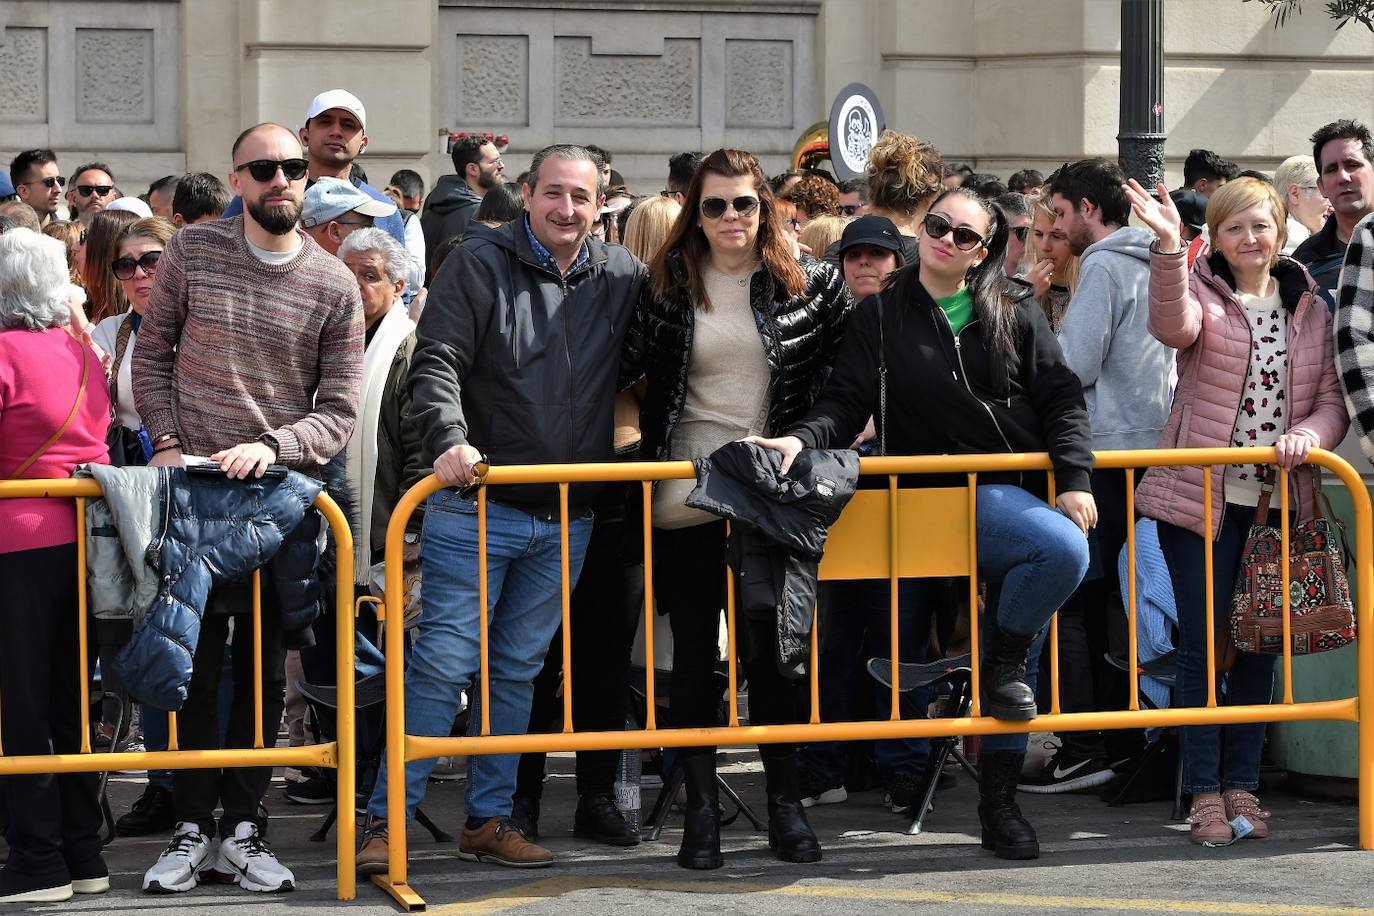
455, 198
1125, 376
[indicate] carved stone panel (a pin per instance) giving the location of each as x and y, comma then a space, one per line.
758, 88
114, 76
622, 89
24, 75
493, 79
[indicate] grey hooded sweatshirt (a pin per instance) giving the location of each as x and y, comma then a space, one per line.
1124, 370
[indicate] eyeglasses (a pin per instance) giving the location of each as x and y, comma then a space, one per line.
1020, 232
52, 181
266, 169
937, 227
714, 207
848, 209
99, 190
793, 223
126, 268
667, 193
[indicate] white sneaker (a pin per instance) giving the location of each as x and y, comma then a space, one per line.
250, 861
179, 867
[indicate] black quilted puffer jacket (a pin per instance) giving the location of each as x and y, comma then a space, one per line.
800, 338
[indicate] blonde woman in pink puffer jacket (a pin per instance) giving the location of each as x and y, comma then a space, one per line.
1255, 368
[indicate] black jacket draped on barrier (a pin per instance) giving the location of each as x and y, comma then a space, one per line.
778, 536
213, 531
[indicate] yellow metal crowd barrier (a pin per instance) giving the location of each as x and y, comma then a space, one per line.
338, 755
892, 533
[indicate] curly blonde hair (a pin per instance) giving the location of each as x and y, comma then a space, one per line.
903, 172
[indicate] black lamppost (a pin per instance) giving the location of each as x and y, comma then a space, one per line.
1141, 140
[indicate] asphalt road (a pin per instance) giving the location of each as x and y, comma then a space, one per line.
1094, 859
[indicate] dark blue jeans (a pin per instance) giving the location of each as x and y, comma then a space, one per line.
856, 625
1215, 756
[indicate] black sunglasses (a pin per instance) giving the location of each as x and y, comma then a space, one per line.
99, 190
1020, 232
937, 227
848, 209
52, 181
266, 169
124, 268
714, 207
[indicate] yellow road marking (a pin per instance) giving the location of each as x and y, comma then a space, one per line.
539, 891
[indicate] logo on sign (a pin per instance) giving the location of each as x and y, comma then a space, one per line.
860, 125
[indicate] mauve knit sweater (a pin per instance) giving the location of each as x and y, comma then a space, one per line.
231, 348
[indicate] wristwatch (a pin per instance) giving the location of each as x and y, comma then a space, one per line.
411, 537
270, 441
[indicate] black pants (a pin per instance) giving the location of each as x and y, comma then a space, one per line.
54, 820
195, 793
1091, 625
605, 608
689, 582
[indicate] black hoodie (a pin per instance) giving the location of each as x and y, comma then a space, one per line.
942, 398
519, 362
448, 210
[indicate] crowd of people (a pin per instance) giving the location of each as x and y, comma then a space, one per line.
298, 317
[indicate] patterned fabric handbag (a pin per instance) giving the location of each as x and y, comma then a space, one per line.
1322, 613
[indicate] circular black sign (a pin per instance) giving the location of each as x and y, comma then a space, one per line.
856, 122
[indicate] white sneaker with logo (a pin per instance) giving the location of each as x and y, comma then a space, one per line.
178, 868
249, 861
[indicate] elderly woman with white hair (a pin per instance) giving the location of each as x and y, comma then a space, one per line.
54, 413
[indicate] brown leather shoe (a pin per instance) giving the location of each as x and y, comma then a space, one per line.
499, 842
373, 858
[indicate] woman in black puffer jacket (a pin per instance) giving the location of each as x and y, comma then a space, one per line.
735, 337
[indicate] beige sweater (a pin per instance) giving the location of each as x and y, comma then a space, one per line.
727, 390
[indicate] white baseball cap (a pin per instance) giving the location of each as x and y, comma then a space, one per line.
133, 205
337, 98
331, 198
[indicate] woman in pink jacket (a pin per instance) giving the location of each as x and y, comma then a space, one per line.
1255, 368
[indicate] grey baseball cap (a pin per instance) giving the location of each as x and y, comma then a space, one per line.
331, 198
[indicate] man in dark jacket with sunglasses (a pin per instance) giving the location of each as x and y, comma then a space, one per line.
515, 363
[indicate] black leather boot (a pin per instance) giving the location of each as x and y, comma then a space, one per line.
701, 828
789, 833
1005, 830
1005, 693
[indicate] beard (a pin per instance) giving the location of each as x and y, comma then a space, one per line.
276, 220
487, 180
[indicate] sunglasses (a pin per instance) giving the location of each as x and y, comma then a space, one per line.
848, 209
125, 268
99, 190
714, 207
52, 181
1020, 232
266, 169
937, 227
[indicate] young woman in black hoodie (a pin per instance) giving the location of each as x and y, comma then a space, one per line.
970, 366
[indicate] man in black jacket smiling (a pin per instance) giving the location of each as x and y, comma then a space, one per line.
516, 357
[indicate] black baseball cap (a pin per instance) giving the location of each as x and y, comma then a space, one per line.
878, 231
1192, 208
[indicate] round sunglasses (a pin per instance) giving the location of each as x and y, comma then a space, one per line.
937, 227
126, 268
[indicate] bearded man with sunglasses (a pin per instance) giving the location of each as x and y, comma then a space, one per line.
250, 352
92, 190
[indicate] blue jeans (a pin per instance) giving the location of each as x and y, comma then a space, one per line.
524, 577
1032, 557
1215, 756
856, 625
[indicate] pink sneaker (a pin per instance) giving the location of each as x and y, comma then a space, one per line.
1208, 817
1240, 803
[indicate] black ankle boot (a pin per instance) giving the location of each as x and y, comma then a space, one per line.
1005, 693
701, 828
788, 830
1005, 830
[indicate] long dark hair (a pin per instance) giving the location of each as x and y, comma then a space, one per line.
985, 282
687, 237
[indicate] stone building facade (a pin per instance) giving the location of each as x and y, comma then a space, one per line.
162, 86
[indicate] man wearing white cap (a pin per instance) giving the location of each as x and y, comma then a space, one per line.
334, 208
334, 135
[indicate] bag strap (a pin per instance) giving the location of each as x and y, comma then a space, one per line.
882, 382
126, 332
1266, 493
66, 424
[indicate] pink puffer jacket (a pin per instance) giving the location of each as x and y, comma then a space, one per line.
1198, 314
